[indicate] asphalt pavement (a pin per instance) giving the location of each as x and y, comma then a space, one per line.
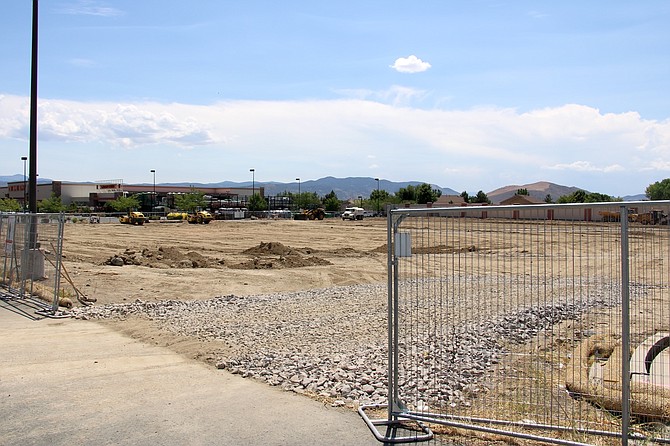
69, 382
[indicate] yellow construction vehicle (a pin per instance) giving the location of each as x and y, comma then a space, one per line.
610, 216
177, 216
132, 218
311, 214
200, 217
653, 217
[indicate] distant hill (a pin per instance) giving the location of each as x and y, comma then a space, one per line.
344, 188
354, 187
19, 177
9, 179
538, 190
638, 197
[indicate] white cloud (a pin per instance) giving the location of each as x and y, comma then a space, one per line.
586, 166
475, 149
89, 7
396, 95
411, 64
127, 125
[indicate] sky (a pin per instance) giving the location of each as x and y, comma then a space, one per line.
466, 94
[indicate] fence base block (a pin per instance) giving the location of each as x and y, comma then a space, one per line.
397, 430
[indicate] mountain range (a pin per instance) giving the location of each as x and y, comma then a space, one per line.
354, 187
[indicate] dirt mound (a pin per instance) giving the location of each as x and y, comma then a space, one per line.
162, 257
271, 248
277, 249
277, 255
382, 248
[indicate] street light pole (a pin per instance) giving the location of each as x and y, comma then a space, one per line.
253, 181
25, 207
153, 197
32, 193
377, 180
298, 200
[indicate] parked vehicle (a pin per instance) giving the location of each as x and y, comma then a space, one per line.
353, 213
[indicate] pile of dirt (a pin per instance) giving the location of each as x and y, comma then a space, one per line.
162, 257
275, 255
275, 248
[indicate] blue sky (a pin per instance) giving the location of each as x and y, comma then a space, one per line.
471, 95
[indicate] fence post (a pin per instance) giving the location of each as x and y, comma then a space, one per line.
59, 258
625, 327
390, 319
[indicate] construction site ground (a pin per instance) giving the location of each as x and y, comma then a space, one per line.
53, 367
68, 381
187, 262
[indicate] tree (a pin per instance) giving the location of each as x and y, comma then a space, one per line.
426, 194
123, 204
9, 205
481, 197
406, 193
257, 203
51, 205
659, 190
379, 197
331, 202
523, 191
580, 196
309, 200
465, 196
190, 201
548, 199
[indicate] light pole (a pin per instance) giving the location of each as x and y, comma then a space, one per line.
377, 180
153, 197
24, 159
297, 202
253, 181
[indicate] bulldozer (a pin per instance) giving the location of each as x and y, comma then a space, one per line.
311, 214
200, 217
132, 218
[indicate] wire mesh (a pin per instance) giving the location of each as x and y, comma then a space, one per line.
510, 318
30, 259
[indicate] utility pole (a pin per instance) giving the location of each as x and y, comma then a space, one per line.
32, 194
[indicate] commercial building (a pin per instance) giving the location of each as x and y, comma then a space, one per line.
96, 195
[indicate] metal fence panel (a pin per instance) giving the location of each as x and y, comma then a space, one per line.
515, 320
30, 260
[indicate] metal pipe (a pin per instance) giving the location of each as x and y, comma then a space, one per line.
625, 328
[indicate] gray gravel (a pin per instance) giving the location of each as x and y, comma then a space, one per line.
332, 343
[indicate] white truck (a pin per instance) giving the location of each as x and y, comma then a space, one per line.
353, 213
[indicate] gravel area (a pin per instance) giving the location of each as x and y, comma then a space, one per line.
332, 343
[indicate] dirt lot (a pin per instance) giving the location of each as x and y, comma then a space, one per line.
186, 262
116, 263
